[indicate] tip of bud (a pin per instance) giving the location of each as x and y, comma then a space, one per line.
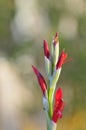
44, 42
46, 49
56, 39
35, 70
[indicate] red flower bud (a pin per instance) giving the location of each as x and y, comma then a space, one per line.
58, 106
46, 49
41, 80
62, 59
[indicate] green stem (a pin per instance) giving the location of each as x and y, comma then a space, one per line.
50, 125
53, 126
50, 101
48, 122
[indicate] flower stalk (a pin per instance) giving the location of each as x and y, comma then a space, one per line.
53, 102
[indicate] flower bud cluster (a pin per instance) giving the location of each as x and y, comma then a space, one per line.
53, 102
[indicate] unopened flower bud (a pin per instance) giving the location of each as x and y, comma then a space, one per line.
47, 58
41, 80
61, 60
56, 49
58, 106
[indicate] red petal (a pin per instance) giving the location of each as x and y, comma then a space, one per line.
56, 116
60, 105
41, 80
62, 59
58, 94
58, 111
46, 49
59, 114
42, 84
35, 70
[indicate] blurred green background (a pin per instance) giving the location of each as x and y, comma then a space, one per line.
23, 27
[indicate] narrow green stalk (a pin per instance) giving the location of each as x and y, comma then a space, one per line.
51, 101
48, 121
53, 126
50, 125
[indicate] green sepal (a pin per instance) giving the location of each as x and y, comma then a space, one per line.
48, 66
56, 54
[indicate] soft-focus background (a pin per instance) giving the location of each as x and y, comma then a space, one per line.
24, 24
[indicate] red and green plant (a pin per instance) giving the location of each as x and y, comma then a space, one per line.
53, 102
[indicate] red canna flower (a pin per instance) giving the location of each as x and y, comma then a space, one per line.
62, 59
41, 80
46, 49
58, 106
